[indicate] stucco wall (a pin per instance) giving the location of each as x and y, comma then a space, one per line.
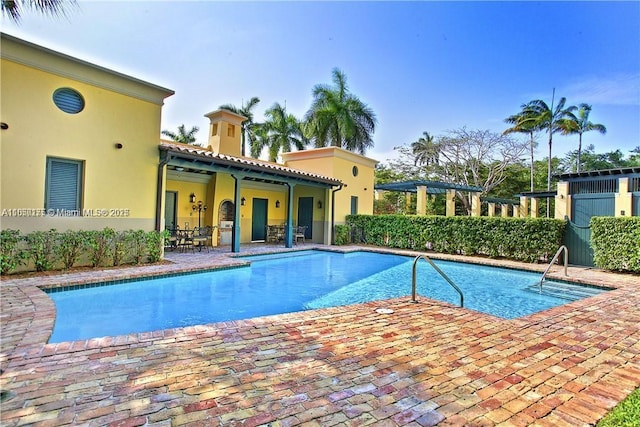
118, 184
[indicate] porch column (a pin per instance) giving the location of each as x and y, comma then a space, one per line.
534, 208
516, 211
624, 199
524, 206
491, 209
451, 203
235, 231
407, 201
563, 201
379, 194
289, 232
421, 201
475, 204
504, 210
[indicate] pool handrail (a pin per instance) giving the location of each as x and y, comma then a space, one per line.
444, 276
553, 260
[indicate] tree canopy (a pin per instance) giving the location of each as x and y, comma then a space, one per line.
338, 118
14, 9
183, 136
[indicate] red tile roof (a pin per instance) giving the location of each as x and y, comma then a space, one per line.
198, 152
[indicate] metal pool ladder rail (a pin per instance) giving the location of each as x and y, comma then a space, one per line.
553, 260
444, 276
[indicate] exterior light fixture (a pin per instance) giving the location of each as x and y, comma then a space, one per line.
319, 204
200, 207
4, 126
119, 145
192, 198
277, 203
243, 201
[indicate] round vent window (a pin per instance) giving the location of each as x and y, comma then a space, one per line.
68, 100
354, 171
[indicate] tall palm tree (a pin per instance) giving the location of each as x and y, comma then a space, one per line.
13, 9
280, 132
580, 124
523, 123
182, 135
552, 119
338, 118
425, 150
248, 126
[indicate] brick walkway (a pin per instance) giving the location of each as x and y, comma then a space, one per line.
424, 364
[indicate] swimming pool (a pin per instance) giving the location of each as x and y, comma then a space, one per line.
283, 283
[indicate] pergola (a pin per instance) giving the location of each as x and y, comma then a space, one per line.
422, 188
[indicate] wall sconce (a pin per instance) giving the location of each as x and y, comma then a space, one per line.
243, 201
277, 203
319, 204
119, 145
192, 197
4, 126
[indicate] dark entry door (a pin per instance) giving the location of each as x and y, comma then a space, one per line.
259, 219
577, 236
170, 209
305, 215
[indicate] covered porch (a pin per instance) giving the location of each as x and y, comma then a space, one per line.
241, 198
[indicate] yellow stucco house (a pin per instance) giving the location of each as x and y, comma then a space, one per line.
80, 149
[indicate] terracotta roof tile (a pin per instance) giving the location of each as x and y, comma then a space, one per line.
199, 151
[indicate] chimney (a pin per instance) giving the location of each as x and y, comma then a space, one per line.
225, 132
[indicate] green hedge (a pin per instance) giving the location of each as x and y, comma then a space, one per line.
616, 243
522, 239
52, 250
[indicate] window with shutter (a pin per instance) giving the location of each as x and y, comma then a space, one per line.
63, 186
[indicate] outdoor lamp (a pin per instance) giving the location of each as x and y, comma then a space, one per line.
319, 204
243, 201
277, 203
192, 197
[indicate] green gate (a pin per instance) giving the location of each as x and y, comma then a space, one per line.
577, 237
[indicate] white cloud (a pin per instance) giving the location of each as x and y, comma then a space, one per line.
617, 89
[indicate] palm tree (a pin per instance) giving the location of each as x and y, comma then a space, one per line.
182, 135
580, 124
543, 116
338, 118
13, 8
248, 126
425, 150
279, 133
523, 123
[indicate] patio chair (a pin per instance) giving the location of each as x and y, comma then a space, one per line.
185, 240
298, 233
272, 234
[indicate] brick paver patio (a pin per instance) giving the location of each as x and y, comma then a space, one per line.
424, 364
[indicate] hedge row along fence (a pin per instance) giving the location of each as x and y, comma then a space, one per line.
616, 243
522, 239
53, 250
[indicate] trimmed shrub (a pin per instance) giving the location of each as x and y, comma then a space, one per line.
42, 249
522, 239
71, 244
616, 243
341, 235
155, 244
11, 254
100, 246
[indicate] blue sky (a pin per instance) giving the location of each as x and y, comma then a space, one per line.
421, 66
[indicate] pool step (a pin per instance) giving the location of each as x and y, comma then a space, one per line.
567, 291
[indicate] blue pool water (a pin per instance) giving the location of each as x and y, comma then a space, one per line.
285, 283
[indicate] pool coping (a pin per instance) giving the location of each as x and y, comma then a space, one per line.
41, 317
